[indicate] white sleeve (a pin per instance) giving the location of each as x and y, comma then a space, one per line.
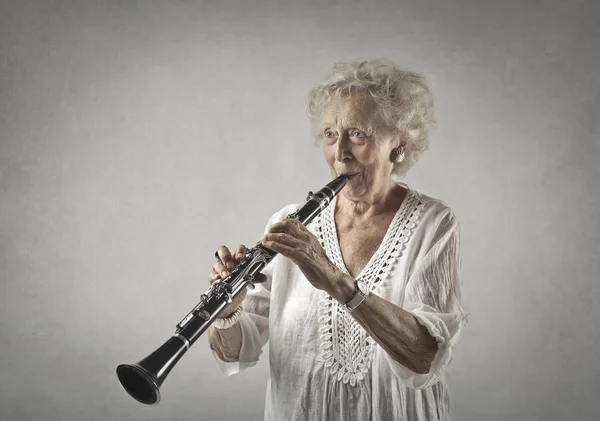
254, 321
434, 296
254, 324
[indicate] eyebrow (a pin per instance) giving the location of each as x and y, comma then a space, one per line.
355, 126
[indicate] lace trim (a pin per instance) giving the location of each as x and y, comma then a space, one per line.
346, 348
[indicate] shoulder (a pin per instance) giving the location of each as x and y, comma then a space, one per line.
435, 213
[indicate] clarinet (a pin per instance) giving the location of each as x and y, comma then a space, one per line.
142, 381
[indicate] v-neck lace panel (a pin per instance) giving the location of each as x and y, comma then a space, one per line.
346, 348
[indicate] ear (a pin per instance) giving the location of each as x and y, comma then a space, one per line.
402, 142
398, 141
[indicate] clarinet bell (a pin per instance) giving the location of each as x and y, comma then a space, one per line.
139, 383
143, 380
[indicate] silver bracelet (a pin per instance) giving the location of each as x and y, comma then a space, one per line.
225, 323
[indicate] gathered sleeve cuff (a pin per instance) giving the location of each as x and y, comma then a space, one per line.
434, 297
255, 332
437, 325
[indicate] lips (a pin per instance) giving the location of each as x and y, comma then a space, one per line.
350, 174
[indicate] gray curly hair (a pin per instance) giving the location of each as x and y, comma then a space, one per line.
403, 96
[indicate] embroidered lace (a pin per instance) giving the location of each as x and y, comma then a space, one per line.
346, 348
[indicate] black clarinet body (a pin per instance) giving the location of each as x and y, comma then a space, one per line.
143, 380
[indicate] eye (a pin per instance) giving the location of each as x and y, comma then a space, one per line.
329, 134
359, 135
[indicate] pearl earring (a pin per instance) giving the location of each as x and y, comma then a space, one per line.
397, 155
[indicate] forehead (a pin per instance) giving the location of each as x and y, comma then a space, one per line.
358, 109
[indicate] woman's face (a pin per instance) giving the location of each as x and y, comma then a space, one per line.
356, 141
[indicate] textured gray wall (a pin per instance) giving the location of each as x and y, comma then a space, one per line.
137, 136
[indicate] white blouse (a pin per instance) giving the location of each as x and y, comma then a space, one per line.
323, 365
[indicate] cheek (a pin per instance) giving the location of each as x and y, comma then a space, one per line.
329, 152
368, 155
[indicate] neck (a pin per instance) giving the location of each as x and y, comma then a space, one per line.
386, 199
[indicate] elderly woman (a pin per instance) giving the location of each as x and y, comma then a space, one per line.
363, 307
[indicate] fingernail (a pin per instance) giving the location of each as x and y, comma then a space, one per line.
224, 274
229, 265
239, 256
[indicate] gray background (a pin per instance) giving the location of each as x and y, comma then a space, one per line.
137, 136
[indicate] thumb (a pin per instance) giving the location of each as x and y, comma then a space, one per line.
260, 278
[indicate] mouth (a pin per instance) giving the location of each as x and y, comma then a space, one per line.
350, 174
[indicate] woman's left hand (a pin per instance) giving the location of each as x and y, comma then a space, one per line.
293, 240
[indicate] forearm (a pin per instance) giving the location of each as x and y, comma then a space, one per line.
397, 331
226, 343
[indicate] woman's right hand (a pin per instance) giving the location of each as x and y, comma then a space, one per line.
223, 267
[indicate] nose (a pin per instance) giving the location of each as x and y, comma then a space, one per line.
342, 151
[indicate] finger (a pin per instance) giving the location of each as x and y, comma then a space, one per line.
281, 226
216, 275
240, 253
213, 277
220, 269
289, 225
283, 249
282, 238
260, 278
226, 257
296, 227
234, 305
278, 227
